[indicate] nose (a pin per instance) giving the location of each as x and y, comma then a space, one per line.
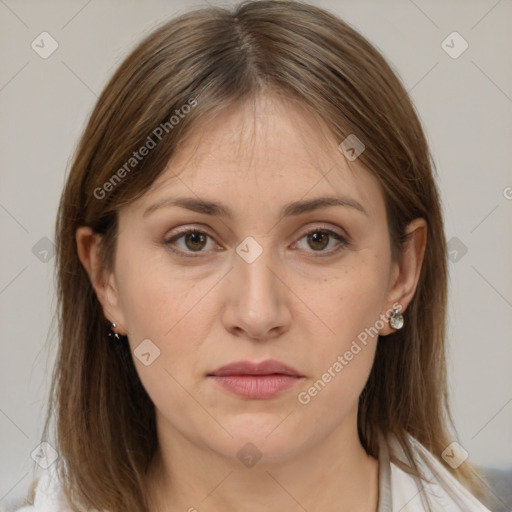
257, 298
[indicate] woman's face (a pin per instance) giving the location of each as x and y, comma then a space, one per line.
252, 285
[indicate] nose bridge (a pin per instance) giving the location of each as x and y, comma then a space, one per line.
258, 301
258, 282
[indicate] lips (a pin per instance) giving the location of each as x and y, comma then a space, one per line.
262, 380
267, 367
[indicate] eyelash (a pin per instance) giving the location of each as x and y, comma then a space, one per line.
343, 241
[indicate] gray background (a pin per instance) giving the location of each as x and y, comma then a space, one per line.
465, 105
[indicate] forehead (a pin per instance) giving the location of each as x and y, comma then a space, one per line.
268, 150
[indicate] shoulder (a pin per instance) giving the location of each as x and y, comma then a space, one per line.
445, 493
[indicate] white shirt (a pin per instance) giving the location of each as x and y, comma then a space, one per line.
398, 491
401, 492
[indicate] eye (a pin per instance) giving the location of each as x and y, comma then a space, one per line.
196, 240
320, 238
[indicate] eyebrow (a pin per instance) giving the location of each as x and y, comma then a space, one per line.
220, 210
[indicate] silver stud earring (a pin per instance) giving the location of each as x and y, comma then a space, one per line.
397, 319
110, 331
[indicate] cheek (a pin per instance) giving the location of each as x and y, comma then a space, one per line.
167, 311
351, 302
172, 311
153, 298
343, 363
349, 308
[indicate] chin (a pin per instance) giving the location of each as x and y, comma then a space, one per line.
262, 436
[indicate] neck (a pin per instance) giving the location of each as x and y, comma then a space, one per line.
336, 474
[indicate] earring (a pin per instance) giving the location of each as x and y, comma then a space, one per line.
397, 319
110, 331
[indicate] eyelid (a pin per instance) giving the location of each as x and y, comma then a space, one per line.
328, 228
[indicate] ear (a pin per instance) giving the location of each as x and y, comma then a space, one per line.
405, 275
88, 243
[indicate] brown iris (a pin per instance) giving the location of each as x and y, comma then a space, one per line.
318, 238
194, 240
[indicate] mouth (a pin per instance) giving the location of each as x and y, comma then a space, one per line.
262, 380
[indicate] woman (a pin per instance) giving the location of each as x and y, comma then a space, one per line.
252, 212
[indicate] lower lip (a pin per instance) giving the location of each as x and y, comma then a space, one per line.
256, 386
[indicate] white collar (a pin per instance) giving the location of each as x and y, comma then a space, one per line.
400, 491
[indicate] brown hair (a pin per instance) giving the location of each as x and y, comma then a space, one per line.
209, 59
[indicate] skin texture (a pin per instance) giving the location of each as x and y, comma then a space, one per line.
291, 304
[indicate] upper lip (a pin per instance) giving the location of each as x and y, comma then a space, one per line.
267, 367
